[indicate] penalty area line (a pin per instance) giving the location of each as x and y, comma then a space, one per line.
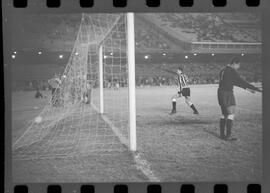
145, 167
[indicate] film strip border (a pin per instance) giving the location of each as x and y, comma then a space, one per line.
151, 188
123, 188
124, 3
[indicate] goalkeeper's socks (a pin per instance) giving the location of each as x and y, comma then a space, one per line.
229, 125
194, 109
222, 124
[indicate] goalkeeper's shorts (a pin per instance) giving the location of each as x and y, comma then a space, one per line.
226, 98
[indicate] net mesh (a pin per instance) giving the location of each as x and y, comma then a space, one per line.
70, 124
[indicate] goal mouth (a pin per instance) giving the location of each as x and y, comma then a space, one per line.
89, 111
81, 132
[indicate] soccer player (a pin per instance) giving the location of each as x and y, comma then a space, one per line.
55, 84
184, 90
117, 86
38, 93
88, 92
228, 78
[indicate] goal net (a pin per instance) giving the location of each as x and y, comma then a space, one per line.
88, 112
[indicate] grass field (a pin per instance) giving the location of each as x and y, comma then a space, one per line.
182, 147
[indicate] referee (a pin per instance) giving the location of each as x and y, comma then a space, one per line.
228, 77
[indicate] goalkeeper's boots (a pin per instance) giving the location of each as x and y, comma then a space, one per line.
229, 125
222, 125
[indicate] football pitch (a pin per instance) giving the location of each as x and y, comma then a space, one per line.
180, 147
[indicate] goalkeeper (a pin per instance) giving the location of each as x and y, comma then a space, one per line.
228, 78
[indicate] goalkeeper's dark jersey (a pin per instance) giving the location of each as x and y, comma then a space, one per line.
182, 81
228, 77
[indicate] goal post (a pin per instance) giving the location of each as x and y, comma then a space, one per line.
130, 36
93, 110
131, 80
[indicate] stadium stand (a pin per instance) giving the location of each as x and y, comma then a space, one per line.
199, 73
168, 34
207, 27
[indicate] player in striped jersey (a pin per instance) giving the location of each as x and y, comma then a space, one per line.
184, 91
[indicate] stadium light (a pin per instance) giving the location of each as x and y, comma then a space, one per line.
146, 57
61, 56
39, 53
186, 57
13, 56
195, 54
213, 54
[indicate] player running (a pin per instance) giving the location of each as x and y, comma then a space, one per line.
228, 77
184, 90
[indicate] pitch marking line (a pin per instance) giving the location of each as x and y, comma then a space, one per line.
141, 164
115, 129
145, 167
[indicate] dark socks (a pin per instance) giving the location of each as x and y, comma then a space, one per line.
173, 107
222, 124
229, 125
194, 109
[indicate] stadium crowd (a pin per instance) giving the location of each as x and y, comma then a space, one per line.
211, 27
150, 38
152, 75
169, 81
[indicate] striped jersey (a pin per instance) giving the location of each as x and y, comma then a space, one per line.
182, 81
